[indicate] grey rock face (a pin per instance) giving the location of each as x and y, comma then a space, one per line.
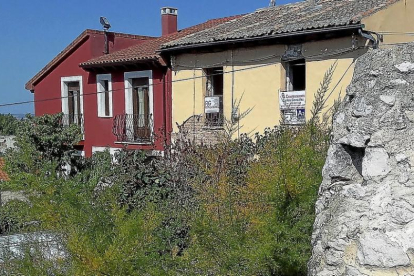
365, 210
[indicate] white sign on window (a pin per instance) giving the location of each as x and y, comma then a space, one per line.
294, 116
212, 104
292, 104
292, 100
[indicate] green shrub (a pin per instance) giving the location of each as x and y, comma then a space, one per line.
240, 207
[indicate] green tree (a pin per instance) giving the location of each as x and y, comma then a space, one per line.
40, 141
8, 124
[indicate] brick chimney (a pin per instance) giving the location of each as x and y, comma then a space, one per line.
169, 20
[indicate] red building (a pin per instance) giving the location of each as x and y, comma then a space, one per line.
118, 92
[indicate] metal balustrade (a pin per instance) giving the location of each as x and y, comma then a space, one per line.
214, 120
77, 119
133, 128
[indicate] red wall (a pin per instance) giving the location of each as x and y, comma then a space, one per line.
98, 131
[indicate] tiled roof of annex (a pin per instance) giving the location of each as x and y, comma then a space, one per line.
286, 20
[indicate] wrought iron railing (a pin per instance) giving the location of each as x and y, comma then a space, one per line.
133, 128
214, 119
74, 119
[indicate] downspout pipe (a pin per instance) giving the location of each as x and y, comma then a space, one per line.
165, 97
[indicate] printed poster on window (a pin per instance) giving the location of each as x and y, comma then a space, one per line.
212, 104
292, 105
292, 100
294, 116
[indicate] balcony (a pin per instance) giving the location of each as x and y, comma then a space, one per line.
132, 128
74, 119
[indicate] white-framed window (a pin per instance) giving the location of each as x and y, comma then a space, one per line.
72, 100
139, 106
104, 95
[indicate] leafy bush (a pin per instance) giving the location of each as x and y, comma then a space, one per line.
43, 145
240, 207
8, 124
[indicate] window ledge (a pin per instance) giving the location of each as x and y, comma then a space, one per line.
105, 117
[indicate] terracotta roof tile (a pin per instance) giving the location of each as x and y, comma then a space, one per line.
3, 174
148, 50
69, 49
285, 19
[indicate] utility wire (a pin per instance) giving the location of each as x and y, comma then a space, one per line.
312, 57
396, 33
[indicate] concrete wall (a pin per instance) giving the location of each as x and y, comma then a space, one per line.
258, 77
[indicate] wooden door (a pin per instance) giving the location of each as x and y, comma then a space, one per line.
141, 111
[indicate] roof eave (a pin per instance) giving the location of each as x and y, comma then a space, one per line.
118, 63
30, 85
261, 38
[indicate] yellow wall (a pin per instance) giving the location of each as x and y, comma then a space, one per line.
187, 96
259, 73
398, 17
257, 80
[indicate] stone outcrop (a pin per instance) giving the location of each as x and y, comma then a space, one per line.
365, 211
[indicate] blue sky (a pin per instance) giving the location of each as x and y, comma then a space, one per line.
35, 31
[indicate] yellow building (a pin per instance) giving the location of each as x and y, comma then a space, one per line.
271, 62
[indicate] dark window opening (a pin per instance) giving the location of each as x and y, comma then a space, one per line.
296, 75
214, 96
105, 84
214, 82
74, 102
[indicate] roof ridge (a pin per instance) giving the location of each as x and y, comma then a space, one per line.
119, 34
30, 84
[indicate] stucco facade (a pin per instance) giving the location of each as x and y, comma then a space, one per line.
256, 84
395, 22
98, 130
255, 74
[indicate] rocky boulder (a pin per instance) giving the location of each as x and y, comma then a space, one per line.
365, 211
